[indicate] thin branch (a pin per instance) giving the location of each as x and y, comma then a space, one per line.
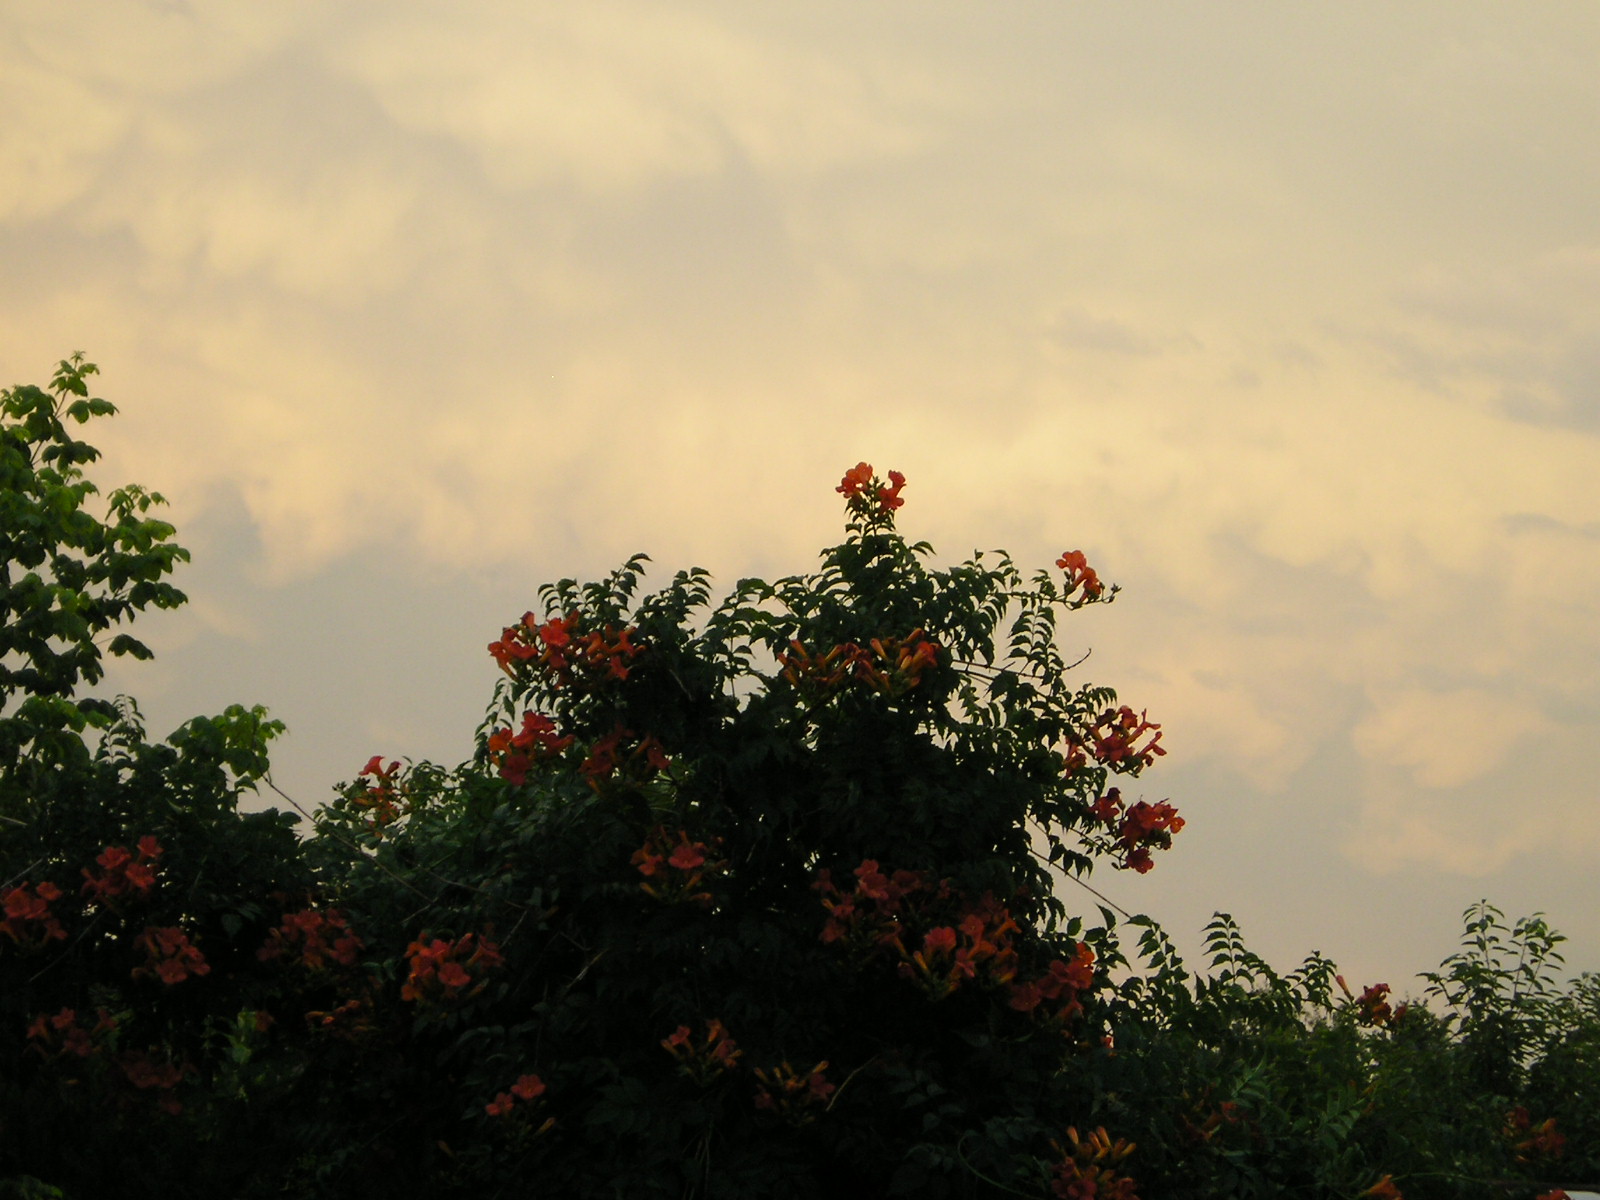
1065, 874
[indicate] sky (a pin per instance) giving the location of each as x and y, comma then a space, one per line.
1288, 316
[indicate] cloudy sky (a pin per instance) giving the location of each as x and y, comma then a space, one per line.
1287, 315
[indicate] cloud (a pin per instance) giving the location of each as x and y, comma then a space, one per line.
609, 97
1520, 339
1078, 330
1443, 740
57, 129
1538, 807
419, 291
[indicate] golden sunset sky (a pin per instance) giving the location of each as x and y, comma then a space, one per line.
1287, 315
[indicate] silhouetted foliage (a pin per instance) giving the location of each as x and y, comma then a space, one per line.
750, 895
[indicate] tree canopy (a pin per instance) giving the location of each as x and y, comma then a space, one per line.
763, 893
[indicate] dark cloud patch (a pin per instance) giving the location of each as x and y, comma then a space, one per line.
1526, 522
1075, 329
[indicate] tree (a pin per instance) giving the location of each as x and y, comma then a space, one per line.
762, 891
765, 895
125, 866
66, 576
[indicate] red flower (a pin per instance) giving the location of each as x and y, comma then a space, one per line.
889, 497
855, 479
313, 937
866, 495
556, 633
122, 873
1080, 574
789, 1094
1108, 807
528, 1087
1087, 1170
602, 760
61, 1034
439, 970
1145, 826
690, 863
874, 885
514, 754
514, 645
1115, 734
500, 1105
1372, 1008
688, 855
28, 919
1063, 981
717, 1054
169, 955
1532, 1141
942, 939
142, 1073
724, 1050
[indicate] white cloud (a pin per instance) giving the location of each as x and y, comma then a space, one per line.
57, 129
611, 96
1540, 811
1444, 739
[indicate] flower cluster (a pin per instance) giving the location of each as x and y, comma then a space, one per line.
869, 496
1080, 575
311, 939
144, 1073
169, 955
527, 1089
349, 1022
676, 873
513, 755
379, 799
1062, 981
1372, 1007
123, 873
563, 651
891, 666
1137, 830
1113, 739
868, 918
786, 1093
612, 753
1088, 1168
978, 946
53, 1036
711, 1059
443, 971
1530, 1142
28, 920
1144, 826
